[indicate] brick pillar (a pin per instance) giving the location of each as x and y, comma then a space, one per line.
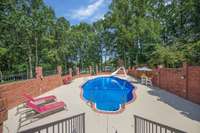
38, 72
3, 112
90, 68
1, 127
129, 68
77, 71
70, 72
184, 77
159, 74
97, 69
59, 70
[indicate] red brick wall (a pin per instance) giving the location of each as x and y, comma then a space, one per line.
12, 91
1, 127
184, 82
171, 80
194, 84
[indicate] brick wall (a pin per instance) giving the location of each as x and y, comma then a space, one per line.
13, 91
184, 82
171, 80
10, 93
3, 112
194, 84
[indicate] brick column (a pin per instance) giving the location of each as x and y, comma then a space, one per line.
3, 112
159, 74
1, 127
77, 71
59, 70
38, 72
90, 69
97, 69
185, 78
70, 72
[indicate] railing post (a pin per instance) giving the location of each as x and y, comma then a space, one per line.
135, 124
59, 70
84, 123
38, 73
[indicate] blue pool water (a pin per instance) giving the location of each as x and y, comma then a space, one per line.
108, 93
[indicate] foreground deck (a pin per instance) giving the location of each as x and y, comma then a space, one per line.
151, 103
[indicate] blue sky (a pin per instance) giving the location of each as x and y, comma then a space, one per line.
77, 11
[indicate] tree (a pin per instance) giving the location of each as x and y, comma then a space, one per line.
137, 31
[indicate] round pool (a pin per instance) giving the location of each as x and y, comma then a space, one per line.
108, 93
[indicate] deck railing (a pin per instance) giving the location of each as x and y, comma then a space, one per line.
6, 78
143, 125
74, 124
49, 72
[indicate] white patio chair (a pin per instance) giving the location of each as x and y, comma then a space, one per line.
149, 82
144, 80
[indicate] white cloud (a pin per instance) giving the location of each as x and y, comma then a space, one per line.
97, 17
85, 12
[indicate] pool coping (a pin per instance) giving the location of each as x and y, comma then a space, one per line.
93, 105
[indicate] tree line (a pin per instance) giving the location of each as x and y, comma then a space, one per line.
138, 32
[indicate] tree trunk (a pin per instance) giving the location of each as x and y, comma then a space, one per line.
101, 61
105, 60
30, 64
36, 51
138, 50
124, 56
1, 76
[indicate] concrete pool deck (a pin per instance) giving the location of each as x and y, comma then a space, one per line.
151, 103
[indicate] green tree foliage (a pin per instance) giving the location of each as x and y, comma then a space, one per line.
192, 53
168, 56
155, 31
134, 27
137, 31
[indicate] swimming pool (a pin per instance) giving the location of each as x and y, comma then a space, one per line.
108, 94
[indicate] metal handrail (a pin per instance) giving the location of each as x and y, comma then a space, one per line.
142, 126
52, 124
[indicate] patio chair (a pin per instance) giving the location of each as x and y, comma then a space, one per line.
39, 101
149, 82
36, 112
45, 109
144, 79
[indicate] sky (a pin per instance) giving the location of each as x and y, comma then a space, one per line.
77, 11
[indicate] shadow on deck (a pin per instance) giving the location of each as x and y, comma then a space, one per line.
186, 108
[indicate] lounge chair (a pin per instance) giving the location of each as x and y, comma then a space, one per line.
45, 109
38, 100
